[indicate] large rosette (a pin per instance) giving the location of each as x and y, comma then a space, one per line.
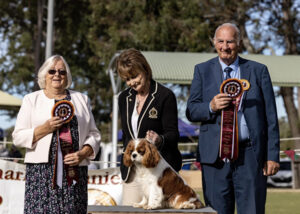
63, 109
229, 124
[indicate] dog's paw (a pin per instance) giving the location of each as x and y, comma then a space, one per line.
137, 205
147, 207
151, 207
187, 206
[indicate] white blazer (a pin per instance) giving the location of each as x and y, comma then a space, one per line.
36, 109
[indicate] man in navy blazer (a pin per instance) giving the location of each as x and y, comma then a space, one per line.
242, 181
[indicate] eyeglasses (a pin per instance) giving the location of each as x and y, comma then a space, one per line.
60, 72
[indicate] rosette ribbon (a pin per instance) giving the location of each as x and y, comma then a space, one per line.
229, 147
65, 110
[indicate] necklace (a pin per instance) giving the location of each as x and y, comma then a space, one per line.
140, 101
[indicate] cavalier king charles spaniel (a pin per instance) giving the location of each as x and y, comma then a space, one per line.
162, 186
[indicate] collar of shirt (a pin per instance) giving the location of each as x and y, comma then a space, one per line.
235, 68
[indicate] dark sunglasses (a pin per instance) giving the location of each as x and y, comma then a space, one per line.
60, 72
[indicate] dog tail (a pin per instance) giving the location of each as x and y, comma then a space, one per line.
198, 204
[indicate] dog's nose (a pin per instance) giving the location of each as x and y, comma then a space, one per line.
134, 155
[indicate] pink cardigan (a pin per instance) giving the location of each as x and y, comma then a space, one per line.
36, 109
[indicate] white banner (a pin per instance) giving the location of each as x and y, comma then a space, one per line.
12, 187
104, 187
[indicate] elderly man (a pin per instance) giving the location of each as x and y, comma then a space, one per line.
239, 178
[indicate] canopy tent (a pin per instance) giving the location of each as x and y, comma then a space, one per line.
187, 131
7, 100
178, 67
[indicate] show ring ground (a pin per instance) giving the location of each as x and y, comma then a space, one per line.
131, 210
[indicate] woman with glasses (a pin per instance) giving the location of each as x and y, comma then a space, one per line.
57, 128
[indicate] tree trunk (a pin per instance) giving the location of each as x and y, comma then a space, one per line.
291, 110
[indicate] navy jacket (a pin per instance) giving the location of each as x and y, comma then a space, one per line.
258, 106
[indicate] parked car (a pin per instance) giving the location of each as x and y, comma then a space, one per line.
283, 178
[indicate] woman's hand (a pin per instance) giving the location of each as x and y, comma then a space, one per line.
48, 127
74, 159
53, 124
153, 137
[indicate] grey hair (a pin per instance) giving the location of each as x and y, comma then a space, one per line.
237, 30
48, 64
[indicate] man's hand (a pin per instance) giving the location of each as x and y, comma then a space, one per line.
220, 101
271, 168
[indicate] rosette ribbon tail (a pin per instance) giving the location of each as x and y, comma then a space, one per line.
229, 144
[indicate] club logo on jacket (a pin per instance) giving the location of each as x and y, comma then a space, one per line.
153, 113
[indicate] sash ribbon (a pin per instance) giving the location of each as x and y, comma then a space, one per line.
65, 110
65, 144
229, 124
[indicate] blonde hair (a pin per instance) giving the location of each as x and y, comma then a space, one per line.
48, 64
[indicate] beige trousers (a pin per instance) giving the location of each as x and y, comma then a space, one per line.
132, 190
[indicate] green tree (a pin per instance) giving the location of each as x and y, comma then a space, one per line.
283, 20
280, 24
88, 32
23, 30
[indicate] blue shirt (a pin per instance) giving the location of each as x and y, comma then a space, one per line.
236, 73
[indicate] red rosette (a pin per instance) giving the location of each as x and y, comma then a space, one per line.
63, 109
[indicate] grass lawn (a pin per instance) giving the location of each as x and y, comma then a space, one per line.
279, 201
283, 201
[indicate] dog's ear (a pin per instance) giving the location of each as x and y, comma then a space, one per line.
127, 154
151, 156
